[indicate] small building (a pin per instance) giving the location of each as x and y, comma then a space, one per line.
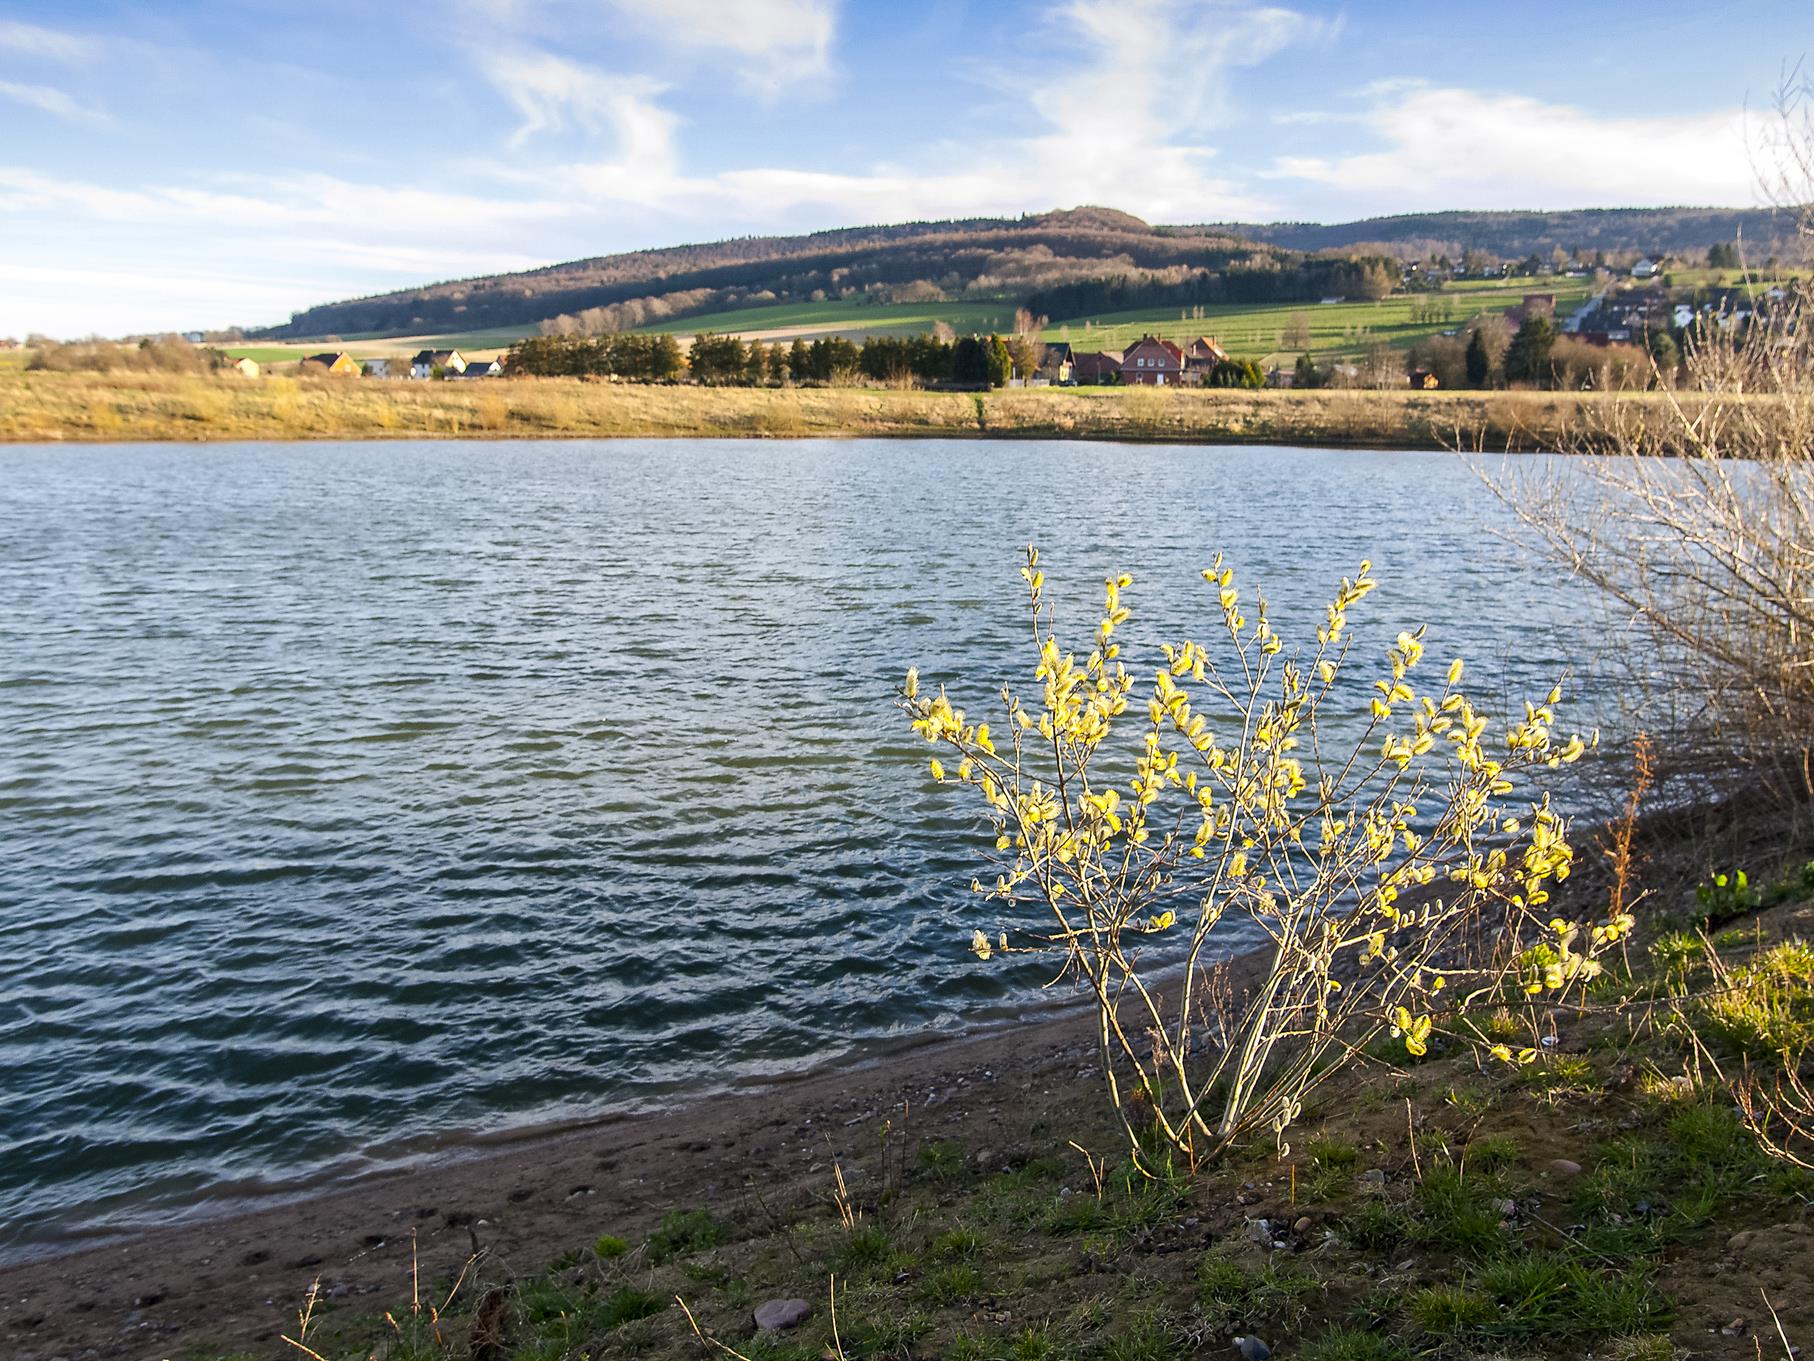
435, 363
1424, 381
381, 368
1645, 269
1096, 366
239, 368
1201, 357
482, 368
1152, 361
336, 362
1059, 364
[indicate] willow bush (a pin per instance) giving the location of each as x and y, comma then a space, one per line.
1394, 884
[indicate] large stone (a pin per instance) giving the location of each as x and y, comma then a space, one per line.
776, 1315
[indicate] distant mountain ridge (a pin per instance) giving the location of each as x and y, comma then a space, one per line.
1512, 234
1037, 256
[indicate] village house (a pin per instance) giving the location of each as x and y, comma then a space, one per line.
481, 368
337, 362
1645, 269
1201, 358
240, 368
1096, 366
1059, 364
1152, 361
433, 363
1424, 381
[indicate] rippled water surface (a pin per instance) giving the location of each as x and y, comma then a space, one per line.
356, 794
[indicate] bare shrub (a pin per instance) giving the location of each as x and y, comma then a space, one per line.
1694, 515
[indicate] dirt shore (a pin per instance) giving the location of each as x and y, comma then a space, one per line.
234, 1284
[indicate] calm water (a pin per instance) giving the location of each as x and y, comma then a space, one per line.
352, 795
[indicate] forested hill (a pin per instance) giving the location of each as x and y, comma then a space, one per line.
910, 262
1646, 231
1060, 264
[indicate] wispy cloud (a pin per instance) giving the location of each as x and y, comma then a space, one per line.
51, 44
1445, 146
552, 94
54, 102
778, 43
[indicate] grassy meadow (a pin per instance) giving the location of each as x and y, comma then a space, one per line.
1344, 329
1249, 331
125, 407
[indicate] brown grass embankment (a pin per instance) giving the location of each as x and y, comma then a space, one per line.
100, 407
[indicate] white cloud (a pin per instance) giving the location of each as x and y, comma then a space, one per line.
49, 43
54, 102
1445, 147
553, 94
781, 42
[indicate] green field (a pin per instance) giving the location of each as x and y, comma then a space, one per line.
1336, 329
1248, 331
850, 318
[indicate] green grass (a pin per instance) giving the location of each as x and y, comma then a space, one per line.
844, 317
1257, 331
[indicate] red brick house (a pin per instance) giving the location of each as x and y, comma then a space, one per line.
1152, 361
1202, 355
1096, 366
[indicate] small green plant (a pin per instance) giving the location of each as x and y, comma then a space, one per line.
951, 1284
1492, 1153
609, 1246
957, 1244
864, 1248
685, 1231
1727, 895
1766, 1008
1676, 953
1444, 1309
627, 1303
943, 1160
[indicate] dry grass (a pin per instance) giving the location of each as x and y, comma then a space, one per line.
85, 407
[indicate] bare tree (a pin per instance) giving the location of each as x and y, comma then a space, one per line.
1694, 513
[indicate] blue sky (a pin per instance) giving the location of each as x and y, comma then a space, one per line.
201, 164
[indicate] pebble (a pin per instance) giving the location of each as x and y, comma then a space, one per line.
1303, 1223
1372, 1177
776, 1315
1252, 1348
1565, 1167
1260, 1231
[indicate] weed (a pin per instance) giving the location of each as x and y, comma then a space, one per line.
1766, 1008
943, 1160
1444, 1309
1492, 1153
685, 1231
609, 1246
951, 1284
1726, 896
864, 1248
957, 1244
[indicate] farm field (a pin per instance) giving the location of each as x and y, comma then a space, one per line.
1258, 332
810, 319
1249, 331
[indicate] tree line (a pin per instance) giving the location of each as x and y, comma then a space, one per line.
1367, 278
830, 361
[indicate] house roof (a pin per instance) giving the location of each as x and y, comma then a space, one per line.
1155, 342
327, 358
433, 356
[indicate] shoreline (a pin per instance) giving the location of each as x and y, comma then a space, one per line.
83, 408
236, 1277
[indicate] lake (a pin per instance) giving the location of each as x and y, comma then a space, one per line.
358, 797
